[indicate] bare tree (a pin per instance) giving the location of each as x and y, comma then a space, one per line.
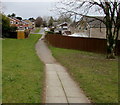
64, 18
38, 22
110, 10
50, 22
13, 15
2, 7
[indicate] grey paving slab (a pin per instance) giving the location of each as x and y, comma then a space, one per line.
55, 91
60, 87
50, 67
56, 100
78, 100
44, 53
51, 72
64, 76
52, 77
67, 83
53, 83
73, 92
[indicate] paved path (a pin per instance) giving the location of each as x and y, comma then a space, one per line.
60, 88
42, 32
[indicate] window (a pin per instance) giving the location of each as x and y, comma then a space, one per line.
11, 22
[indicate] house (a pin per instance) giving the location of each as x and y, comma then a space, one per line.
79, 28
89, 26
55, 23
66, 33
95, 28
20, 24
62, 28
75, 27
31, 24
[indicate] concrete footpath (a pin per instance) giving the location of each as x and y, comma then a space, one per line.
60, 87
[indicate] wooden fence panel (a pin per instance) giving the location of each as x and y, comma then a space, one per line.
79, 43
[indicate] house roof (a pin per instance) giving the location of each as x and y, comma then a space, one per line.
62, 24
67, 32
14, 19
73, 24
55, 23
17, 20
91, 22
94, 23
25, 22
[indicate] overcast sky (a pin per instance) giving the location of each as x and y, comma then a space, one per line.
29, 0
29, 9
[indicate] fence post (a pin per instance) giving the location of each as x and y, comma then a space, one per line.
20, 34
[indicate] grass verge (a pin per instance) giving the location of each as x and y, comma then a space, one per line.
0, 70
37, 30
97, 76
23, 74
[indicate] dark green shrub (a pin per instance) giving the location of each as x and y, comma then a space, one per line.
13, 28
5, 25
49, 32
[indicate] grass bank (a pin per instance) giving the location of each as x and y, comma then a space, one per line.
97, 76
0, 70
23, 73
37, 30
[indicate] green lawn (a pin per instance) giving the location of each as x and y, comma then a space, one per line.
0, 70
97, 76
23, 75
37, 30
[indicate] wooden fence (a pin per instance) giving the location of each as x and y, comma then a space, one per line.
19, 34
79, 43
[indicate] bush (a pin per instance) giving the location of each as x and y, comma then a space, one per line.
49, 32
52, 29
13, 28
5, 25
12, 35
7, 30
27, 32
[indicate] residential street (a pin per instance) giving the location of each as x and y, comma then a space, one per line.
60, 87
60, 51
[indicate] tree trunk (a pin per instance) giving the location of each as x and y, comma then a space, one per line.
110, 50
111, 44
